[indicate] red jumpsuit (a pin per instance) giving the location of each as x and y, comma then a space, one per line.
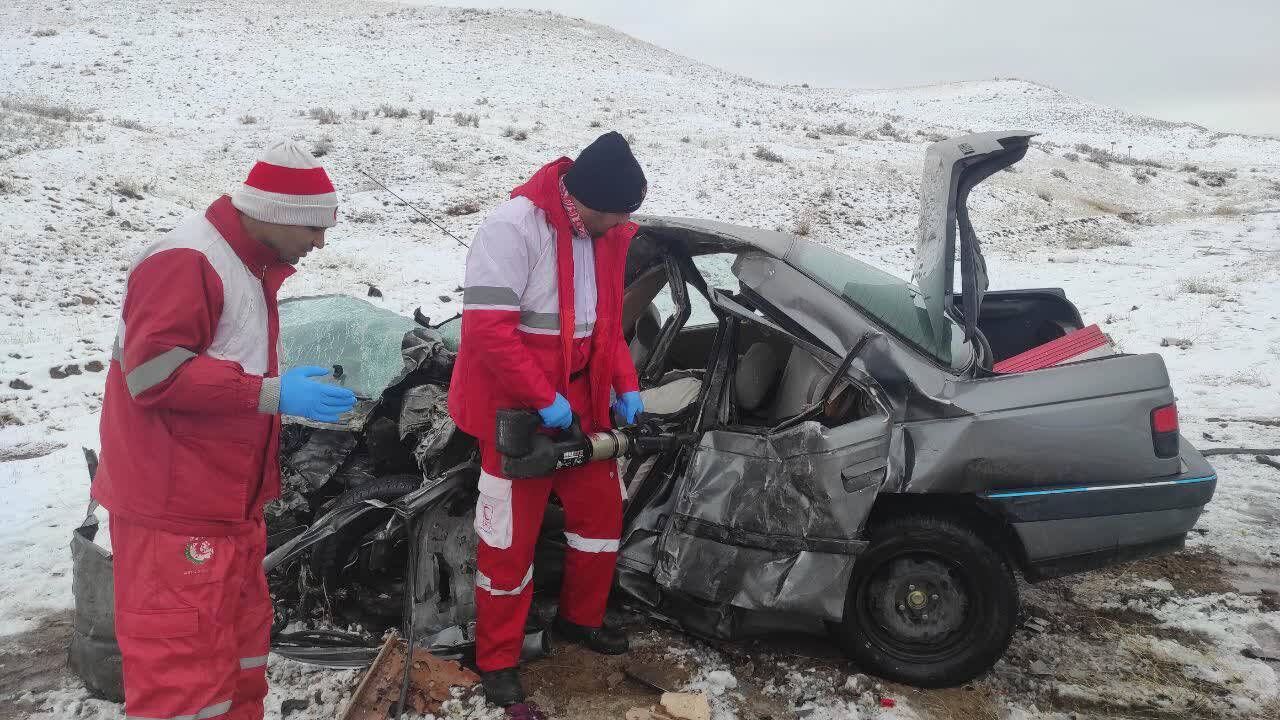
541, 314
189, 444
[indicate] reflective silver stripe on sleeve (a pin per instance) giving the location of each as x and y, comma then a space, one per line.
253, 662
549, 324
591, 545
269, 396
484, 583
489, 295
156, 370
210, 712
540, 321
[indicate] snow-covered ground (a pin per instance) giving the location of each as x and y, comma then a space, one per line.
118, 118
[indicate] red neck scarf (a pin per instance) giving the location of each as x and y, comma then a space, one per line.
575, 220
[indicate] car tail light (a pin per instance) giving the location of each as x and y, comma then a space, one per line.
1164, 430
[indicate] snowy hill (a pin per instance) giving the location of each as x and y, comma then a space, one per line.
118, 118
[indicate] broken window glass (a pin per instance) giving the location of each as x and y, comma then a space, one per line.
358, 341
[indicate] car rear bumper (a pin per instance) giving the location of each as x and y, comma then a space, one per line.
1070, 529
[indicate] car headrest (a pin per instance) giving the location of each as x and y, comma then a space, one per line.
757, 371
647, 327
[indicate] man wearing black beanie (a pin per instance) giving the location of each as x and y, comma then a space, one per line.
542, 329
607, 180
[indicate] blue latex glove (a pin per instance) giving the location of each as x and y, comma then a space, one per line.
303, 397
558, 414
629, 406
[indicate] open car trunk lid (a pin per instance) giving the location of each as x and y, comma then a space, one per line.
951, 169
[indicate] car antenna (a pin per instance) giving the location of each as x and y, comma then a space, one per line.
406, 204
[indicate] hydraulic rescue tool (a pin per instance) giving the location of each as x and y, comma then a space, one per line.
528, 451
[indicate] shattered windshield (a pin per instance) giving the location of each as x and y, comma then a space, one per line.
895, 303
337, 330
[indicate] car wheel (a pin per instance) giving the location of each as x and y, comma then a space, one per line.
930, 603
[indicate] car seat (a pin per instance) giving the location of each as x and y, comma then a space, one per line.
803, 381
647, 327
756, 375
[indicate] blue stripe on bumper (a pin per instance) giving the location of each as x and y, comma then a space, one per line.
1095, 488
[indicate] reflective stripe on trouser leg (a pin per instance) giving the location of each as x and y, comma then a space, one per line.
173, 621
593, 523
504, 575
501, 613
484, 583
253, 631
253, 662
212, 711
590, 545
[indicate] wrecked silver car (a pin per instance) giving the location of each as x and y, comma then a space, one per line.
858, 456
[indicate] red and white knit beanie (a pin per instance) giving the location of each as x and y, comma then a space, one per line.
288, 187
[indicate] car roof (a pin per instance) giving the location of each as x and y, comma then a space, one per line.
703, 236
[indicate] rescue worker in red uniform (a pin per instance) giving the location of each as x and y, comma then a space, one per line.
541, 329
190, 433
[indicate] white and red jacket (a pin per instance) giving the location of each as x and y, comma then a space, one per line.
538, 304
190, 430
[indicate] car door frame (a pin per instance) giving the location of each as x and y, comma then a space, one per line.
801, 560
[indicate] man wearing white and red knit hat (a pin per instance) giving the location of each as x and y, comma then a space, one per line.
190, 434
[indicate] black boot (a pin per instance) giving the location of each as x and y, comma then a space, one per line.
604, 640
502, 687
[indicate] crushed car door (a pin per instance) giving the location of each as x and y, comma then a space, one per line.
771, 518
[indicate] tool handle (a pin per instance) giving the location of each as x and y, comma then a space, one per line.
574, 431
516, 429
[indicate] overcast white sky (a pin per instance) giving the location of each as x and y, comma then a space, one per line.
1215, 62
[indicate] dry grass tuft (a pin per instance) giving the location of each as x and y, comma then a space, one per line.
44, 108
131, 188
322, 147
804, 224
974, 702
1200, 286
325, 116
390, 111
768, 155
1106, 207
464, 207
1092, 240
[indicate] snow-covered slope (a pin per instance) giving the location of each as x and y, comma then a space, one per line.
117, 118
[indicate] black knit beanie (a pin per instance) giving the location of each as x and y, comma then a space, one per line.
606, 176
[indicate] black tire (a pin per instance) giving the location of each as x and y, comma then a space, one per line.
919, 565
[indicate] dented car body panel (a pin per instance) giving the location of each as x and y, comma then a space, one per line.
817, 392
